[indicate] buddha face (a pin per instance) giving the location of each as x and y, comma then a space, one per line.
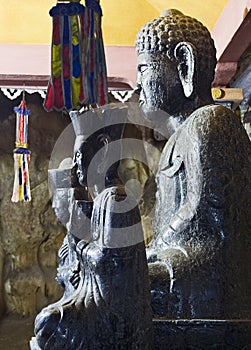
159, 84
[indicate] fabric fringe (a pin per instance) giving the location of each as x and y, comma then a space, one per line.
21, 188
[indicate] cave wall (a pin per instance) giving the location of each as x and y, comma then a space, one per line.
30, 235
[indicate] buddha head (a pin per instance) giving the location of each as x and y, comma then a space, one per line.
176, 64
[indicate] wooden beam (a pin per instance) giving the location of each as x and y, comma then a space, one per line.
24, 80
239, 42
30, 65
228, 23
228, 62
232, 37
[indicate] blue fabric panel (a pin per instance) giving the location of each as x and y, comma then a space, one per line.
67, 93
66, 34
76, 66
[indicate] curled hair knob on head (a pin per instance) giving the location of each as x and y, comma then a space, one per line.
162, 34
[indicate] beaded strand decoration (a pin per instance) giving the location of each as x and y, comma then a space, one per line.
78, 66
21, 189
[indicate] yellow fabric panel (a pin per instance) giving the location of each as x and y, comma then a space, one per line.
75, 25
56, 60
75, 88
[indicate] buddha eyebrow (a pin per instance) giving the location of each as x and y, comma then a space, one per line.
147, 64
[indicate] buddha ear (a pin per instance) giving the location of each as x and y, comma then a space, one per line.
185, 55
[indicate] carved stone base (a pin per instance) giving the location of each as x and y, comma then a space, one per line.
202, 334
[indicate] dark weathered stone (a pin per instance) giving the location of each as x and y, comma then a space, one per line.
202, 334
103, 267
201, 244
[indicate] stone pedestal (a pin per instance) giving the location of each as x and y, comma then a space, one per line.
201, 334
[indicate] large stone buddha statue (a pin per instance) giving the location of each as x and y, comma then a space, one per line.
199, 257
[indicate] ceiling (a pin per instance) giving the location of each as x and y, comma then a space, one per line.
123, 19
29, 21
26, 26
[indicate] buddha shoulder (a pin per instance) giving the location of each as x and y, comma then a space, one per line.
213, 118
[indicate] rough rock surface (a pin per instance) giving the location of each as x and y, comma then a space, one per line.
30, 235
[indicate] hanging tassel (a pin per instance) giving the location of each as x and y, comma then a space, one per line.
78, 66
64, 91
93, 55
21, 188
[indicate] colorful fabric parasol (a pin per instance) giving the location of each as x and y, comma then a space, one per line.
21, 189
78, 67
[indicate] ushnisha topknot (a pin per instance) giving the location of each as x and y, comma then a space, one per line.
162, 34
